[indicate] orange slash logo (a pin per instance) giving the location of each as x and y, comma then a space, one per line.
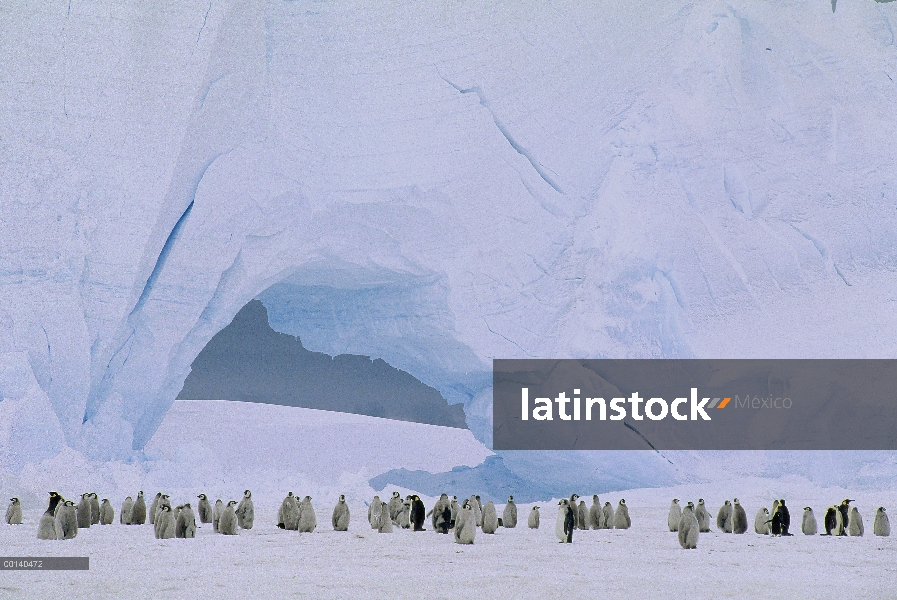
717, 404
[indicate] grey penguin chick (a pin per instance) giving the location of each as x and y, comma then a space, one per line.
14, 512
227, 522
533, 521
688, 528
340, 517
107, 513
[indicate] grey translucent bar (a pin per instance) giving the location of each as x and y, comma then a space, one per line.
44, 563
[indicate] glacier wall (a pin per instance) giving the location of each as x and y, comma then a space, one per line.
436, 184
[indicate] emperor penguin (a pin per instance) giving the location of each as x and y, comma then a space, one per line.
374, 512
154, 508
621, 516
453, 512
477, 511
185, 524
855, 523
761, 521
14, 512
688, 528
204, 508
138, 512
418, 513
724, 518
107, 513
582, 515
465, 525
227, 522
775, 505
574, 504
595, 513
288, 515
216, 514
785, 517
84, 511
126, 507
340, 517
565, 523
881, 526
844, 509
307, 519
165, 524
509, 514
385, 522
165, 501
675, 515
608, 516
739, 517
490, 518
395, 506
46, 529
702, 516
832, 522
94, 509
533, 520
404, 518
246, 511
67, 521
440, 520
808, 522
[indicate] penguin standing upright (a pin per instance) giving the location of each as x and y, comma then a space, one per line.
84, 511
490, 518
595, 513
385, 521
165, 523
395, 506
164, 501
454, 509
107, 513
574, 504
761, 521
832, 521
675, 515
844, 509
216, 514
621, 516
582, 516
340, 518
154, 508
786, 517
185, 524
566, 522
245, 511
138, 512
67, 521
440, 520
374, 512
608, 516
307, 519
855, 523
404, 518
227, 522
724, 517
477, 510
288, 515
808, 522
94, 509
204, 508
465, 525
46, 529
881, 526
688, 528
702, 516
739, 517
509, 514
14, 512
126, 507
533, 521
418, 513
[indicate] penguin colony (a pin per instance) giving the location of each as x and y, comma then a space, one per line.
63, 518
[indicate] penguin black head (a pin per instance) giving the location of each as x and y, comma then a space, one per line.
510, 498
105, 499
535, 508
781, 503
202, 496
622, 501
477, 496
342, 498
455, 498
186, 505
395, 494
690, 505
808, 508
736, 501
166, 508
727, 502
290, 494
700, 501
675, 500
232, 502
247, 493
158, 494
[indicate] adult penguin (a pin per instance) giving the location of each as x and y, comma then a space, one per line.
307, 519
724, 517
675, 515
245, 511
165, 523
465, 525
509, 514
340, 518
204, 508
374, 512
138, 512
46, 529
621, 516
702, 516
107, 513
94, 509
582, 515
185, 524
288, 515
844, 509
761, 521
881, 526
84, 511
490, 518
566, 522
418, 513
574, 504
808, 522
154, 508
533, 521
14, 512
216, 515
66, 521
739, 517
786, 517
385, 522
595, 513
688, 528
608, 516
126, 507
855, 523
227, 522
832, 522
395, 506
404, 518
775, 527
